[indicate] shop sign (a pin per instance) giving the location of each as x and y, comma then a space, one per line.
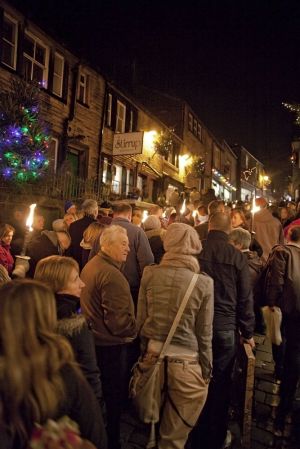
128, 143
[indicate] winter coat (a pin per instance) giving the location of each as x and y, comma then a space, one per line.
76, 231
155, 237
44, 245
283, 286
75, 328
80, 405
106, 302
140, 254
255, 266
202, 230
161, 292
6, 259
233, 300
268, 231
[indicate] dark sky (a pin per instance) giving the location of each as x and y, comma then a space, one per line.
234, 61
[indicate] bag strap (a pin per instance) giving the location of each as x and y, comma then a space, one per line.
178, 316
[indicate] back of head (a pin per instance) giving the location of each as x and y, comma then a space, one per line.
261, 202
152, 222
32, 392
215, 206
93, 232
240, 237
219, 221
122, 209
156, 210
55, 271
90, 207
294, 234
181, 238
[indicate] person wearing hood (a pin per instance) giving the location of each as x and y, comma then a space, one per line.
155, 234
49, 243
188, 360
61, 274
268, 229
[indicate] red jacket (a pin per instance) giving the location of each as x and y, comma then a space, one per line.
6, 259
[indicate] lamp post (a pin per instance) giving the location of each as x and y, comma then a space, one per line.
295, 168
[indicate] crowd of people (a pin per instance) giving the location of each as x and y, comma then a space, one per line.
80, 302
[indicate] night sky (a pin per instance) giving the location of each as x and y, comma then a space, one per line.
234, 61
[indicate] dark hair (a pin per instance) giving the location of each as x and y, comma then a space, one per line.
294, 233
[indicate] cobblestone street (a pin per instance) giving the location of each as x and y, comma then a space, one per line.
266, 399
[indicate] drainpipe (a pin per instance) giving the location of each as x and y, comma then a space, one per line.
102, 124
71, 111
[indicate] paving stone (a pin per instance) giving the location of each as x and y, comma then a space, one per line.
259, 396
257, 445
268, 387
262, 411
259, 339
271, 399
262, 436
263, 356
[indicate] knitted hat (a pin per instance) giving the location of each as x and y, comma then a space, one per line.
181, 238
152, 222
68, 204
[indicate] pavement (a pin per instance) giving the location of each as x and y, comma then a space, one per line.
266, 399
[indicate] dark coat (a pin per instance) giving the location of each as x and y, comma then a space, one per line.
74, 327
80, 405
233, 309
156, 243
76, 231
43, 245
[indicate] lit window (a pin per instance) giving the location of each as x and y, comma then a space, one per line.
36, 60
9, 41
109, 109
199, 132
83, 88
121, 115
195, 129
58, 75
191, 121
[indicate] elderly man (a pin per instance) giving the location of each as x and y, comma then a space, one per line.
77, 228
214, 206
140, 252
107, 304
233, 314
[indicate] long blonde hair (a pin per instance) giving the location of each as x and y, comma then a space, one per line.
55, 271
31, 357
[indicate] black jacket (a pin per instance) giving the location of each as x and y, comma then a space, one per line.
74, 327
79, 404
229, 269
42, 245
76, 231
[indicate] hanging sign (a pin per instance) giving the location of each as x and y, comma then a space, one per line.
128, 143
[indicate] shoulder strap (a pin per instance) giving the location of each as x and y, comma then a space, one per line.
178, 315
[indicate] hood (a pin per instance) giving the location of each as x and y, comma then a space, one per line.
69, 327
156, 232
51, 235
85, 245
263, 216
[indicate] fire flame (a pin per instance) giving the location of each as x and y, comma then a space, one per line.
182, 210
145, 215
29, 220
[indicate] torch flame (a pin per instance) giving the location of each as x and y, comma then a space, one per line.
145, 215
29, 220
182, 210
254, 207
195, 213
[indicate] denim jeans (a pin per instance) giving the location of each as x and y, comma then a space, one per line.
210, 431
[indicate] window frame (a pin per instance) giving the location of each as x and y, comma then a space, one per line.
15, 45
61, 77
199, 131
190, 121
85, 88
131, 121
45, 68
56, 145
119, 118
109, 109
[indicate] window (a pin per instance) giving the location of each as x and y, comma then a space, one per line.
195, 127
36, 60
191, 119
121, 114
83, 88
58, 74
217, 158
199, 132
246, 161
108, 111
9, 41
53, 153
131, 122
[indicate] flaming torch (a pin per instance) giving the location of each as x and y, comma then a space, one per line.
182, 210
145, 215
253, 211
22, 264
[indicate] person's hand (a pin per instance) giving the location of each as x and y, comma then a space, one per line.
249, 341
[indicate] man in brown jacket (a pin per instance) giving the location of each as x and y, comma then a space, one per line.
107, 304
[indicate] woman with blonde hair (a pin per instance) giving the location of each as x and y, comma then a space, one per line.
91, 241
38, 377
61, 274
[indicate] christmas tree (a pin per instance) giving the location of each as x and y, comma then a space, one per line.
24, 139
